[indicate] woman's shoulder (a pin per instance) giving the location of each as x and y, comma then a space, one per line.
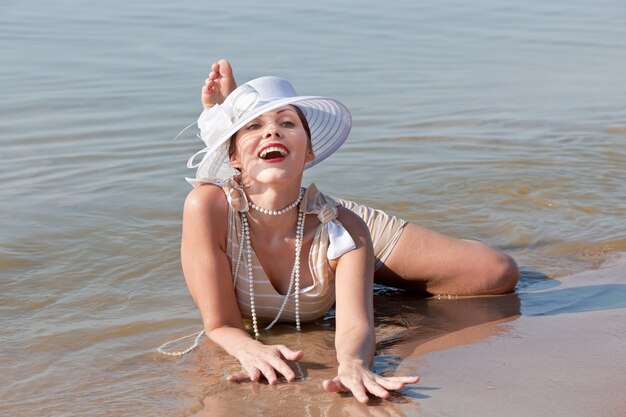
206, 199
350, 220
205, 219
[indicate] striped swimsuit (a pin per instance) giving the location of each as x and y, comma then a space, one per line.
318, 298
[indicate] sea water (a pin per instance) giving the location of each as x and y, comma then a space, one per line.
500, 121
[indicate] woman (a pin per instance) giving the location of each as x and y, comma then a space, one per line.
248, 221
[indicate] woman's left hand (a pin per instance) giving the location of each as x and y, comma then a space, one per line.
360, 381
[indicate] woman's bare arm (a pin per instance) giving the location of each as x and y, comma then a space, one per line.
207, 272
355, 338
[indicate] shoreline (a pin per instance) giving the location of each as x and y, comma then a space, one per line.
562, 357
552, 349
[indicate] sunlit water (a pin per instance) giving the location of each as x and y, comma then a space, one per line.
498, 121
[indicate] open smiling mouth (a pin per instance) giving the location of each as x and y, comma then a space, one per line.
273, 152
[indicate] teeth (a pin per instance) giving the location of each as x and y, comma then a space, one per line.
281, 150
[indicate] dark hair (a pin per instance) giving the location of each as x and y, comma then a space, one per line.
232, 146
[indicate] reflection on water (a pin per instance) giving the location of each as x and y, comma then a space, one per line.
419, 321
407, 326
498, 121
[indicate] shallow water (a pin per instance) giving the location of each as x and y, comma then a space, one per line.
498, 121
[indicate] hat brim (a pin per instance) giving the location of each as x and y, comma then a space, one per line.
329, 122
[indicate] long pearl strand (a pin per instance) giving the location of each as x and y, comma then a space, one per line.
294, 280
265, 211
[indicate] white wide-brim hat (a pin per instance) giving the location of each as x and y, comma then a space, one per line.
329, 122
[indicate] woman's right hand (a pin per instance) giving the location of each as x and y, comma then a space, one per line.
259, 360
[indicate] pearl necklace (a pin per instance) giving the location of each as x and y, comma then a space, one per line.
294, 280
277, 212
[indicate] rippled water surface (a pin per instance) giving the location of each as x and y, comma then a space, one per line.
495, 120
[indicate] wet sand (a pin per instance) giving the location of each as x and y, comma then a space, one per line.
556, 348
565, 356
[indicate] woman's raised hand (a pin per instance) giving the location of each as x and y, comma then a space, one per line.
259, 360
219, 84
354, 377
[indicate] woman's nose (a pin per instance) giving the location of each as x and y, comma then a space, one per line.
272, 129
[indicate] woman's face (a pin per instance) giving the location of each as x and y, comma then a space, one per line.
273, 147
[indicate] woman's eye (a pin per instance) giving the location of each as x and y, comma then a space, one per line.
253, 126
287, 124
